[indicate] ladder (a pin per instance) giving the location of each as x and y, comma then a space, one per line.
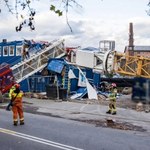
38, 61
66, 78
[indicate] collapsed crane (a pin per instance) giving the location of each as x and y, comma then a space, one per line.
104, 62
112, 62
136, 66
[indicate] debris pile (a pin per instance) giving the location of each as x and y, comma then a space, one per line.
109, 123
139, 107
36, 95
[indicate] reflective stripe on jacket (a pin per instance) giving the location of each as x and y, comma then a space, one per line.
113, 95
18, 98
11, 91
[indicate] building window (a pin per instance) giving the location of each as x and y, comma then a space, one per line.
5, 50
18, 50
11, 51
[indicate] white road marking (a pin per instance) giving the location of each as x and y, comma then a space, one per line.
39, 140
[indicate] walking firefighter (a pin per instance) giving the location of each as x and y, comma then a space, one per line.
112, 100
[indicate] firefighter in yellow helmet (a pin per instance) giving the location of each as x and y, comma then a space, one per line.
17, 107
112, 100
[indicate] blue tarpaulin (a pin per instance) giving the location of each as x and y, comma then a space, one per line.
55, 66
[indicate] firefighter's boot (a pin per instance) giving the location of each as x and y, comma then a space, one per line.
114, 113
108, 112
15, 123
21, 122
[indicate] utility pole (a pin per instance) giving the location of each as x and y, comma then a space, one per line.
57, 87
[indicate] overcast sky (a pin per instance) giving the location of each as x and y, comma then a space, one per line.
96, 20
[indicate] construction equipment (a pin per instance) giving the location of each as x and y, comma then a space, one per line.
6, 78
108, 62
136, 66
112, 62
28, 67
38, 61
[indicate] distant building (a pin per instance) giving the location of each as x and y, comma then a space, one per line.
133, 50
138, 50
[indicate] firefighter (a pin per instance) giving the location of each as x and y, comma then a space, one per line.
10, 97
17, 107
112, 100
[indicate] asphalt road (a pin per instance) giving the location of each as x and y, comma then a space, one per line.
50, 133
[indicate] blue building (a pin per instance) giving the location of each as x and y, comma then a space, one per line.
10, 52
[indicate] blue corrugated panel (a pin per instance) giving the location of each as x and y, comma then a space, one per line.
89, 73
24, 86
55, 66
96, 79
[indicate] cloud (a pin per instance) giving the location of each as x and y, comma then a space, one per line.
88, 30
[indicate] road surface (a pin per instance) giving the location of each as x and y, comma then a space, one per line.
50, 133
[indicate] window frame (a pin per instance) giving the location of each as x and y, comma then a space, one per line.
12, 46
20, 49
4, 50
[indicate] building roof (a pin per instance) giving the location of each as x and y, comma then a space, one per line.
138, 49
142, 48
11, 43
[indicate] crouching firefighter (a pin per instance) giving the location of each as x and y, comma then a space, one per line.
17, 107
112, 100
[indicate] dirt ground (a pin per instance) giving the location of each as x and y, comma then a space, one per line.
123, 101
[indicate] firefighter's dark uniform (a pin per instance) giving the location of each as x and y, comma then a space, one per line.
112, 104
17, 108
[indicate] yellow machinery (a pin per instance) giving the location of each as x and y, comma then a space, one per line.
138, 66
111, 61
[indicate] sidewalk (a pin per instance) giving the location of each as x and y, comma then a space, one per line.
82, 111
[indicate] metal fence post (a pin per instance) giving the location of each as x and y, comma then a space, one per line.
147, 108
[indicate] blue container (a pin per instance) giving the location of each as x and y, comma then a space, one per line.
24, 86
96, 79
140, 90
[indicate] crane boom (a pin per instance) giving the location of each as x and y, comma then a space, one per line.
137, 66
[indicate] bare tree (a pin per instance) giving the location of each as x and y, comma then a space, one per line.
25, 5
148, 11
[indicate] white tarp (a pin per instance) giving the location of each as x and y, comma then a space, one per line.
82, 79
71, 75
92, 94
